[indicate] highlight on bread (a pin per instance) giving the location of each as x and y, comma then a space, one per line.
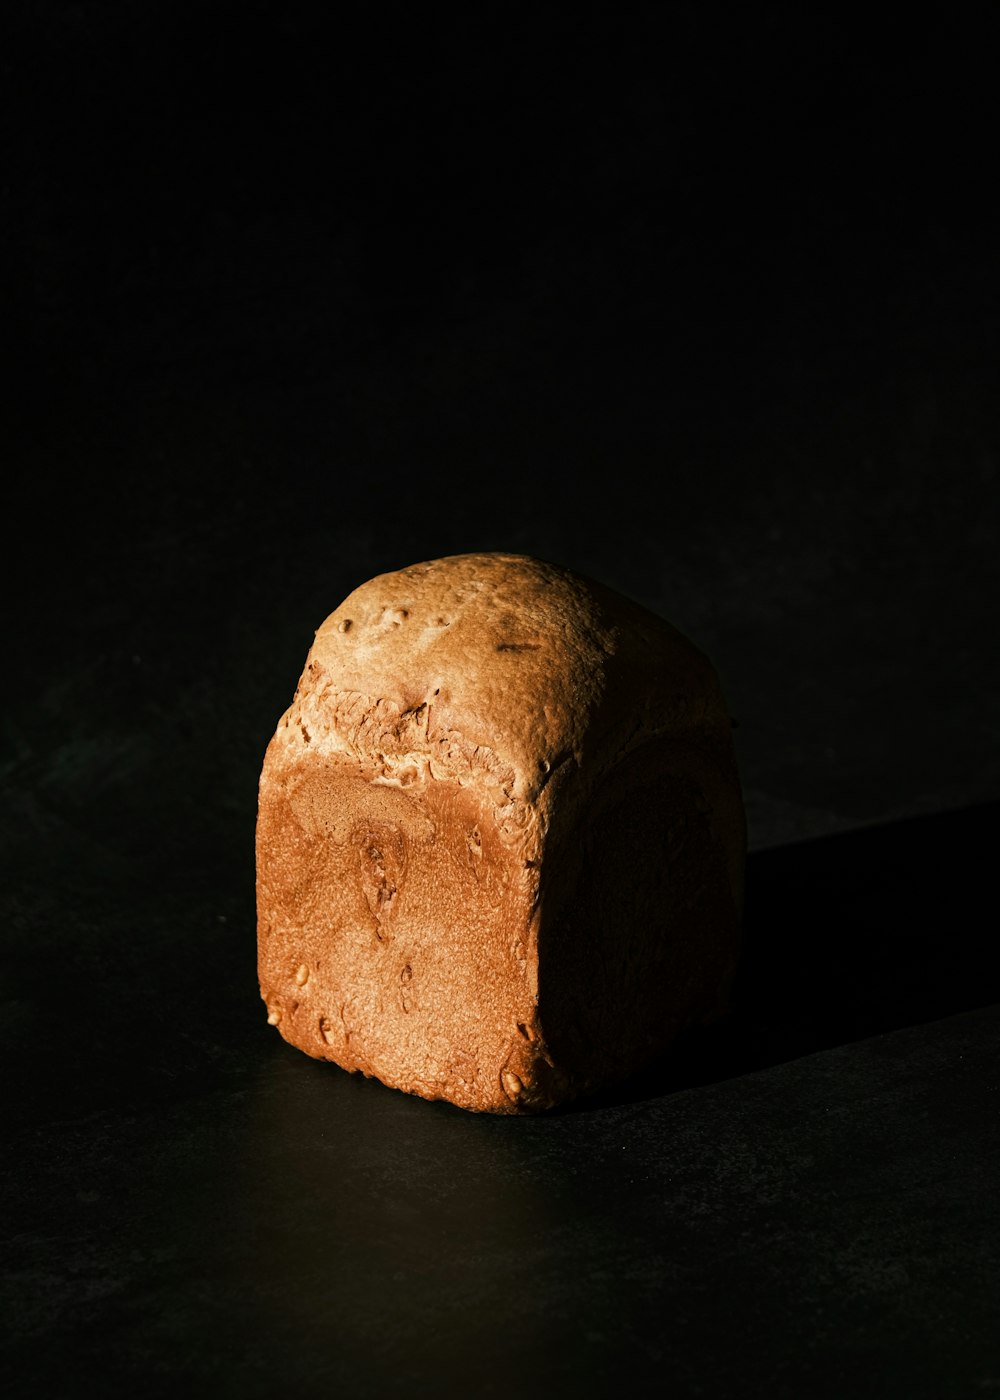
500, 837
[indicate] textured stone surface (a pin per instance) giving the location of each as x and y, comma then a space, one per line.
768, 1211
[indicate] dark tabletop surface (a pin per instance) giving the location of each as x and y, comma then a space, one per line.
704, 308
780, 1207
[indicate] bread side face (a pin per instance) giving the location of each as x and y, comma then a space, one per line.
640, 911
458, 732
397, 929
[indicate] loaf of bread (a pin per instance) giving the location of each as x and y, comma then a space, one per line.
500, 837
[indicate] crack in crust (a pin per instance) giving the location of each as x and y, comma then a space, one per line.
399, 747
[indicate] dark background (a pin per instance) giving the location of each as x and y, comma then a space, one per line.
701, 303
705, 305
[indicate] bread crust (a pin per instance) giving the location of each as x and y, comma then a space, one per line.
455, 735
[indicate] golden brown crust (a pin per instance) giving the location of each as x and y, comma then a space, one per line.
452, 728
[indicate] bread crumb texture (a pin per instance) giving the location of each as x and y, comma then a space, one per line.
500, 837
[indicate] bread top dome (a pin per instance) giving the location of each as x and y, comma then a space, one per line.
504, 664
